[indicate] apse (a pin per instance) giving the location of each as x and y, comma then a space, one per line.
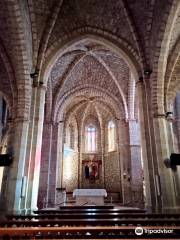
92, 101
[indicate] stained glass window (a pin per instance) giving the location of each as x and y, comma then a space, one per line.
91, 138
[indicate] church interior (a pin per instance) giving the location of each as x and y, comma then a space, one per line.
90, 100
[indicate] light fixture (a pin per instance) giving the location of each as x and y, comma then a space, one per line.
169, 116
147, 72
34, 74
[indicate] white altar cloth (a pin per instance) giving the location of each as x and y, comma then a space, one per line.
89, 192
90, 196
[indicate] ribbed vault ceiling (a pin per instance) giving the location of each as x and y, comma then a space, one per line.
88, 63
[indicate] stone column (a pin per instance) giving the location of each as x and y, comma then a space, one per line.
53, 165
80, 150
1, 115
175, 131
166, 179
60, 152
175, 169
150, 169
35, 149
12, 181
43, 195
47, 186
136, 166
124, 161
1, 137
177, 118
103, 154
59, 168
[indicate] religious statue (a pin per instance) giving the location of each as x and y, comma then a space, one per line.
86, 170
91, 169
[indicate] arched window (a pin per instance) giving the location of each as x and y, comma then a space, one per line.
91, 133
111, 136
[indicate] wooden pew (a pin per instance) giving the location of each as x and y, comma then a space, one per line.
83, 232
90, 222
50, 223
94, 215
85, 210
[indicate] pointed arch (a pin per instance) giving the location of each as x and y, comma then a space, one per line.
118, 45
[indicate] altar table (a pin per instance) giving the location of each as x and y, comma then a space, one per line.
90, 196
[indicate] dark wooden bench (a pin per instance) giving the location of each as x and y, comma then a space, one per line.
82, 233
90, 222
82, 223
65, 215
87, 210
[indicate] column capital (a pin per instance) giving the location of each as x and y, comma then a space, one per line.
40, 86
159, 115
140, 81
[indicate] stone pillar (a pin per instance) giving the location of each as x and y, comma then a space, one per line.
124, 161
103, 154
53, 165
1, 115
167, 190
136, 166
177, 118
60, 152
175, 126
43, 195
150, 169
34, 156
175, 169
1, 137
12, 181
47, 186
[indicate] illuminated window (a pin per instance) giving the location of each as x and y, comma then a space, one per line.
91, 138
111, 136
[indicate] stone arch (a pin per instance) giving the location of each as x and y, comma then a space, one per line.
160, 61
79, 91
47, 33
114, 43
20, 54
10, 71
105, 66
171, 82
9, 68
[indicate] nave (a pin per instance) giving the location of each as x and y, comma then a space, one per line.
89, 99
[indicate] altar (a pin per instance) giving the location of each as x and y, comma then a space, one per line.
90, 196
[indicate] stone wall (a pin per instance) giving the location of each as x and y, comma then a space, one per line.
70, 171
112, 174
